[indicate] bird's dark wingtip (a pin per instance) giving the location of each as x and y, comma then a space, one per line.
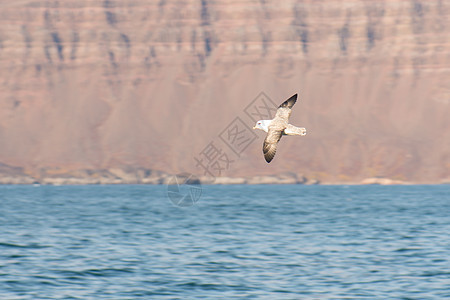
268, 156
289, 102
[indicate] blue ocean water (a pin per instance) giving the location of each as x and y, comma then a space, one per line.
237, 242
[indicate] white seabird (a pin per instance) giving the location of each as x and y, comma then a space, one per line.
278, 127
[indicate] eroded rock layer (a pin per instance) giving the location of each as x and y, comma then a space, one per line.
149, 84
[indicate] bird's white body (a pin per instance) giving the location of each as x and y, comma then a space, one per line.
289, 130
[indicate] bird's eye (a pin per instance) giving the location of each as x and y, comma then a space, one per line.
259, 123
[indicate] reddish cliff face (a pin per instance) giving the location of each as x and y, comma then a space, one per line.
149, 84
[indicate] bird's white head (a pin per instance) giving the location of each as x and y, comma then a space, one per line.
263, 125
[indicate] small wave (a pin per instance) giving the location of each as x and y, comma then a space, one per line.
213, 286
29, 246
205, 286
46, 280
107, 272
435, 273
407, 249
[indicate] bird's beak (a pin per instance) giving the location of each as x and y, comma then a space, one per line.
254, 127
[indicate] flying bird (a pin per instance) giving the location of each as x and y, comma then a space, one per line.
277, 127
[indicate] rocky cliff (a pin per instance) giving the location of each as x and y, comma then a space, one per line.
101, 85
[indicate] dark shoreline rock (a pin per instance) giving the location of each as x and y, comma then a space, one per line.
136, 176
89, 176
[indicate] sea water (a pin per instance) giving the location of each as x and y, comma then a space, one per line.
236, 242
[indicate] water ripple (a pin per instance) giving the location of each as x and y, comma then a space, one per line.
238, 242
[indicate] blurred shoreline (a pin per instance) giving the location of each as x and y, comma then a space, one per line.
155, 177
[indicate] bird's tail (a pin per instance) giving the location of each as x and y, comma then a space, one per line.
292, 130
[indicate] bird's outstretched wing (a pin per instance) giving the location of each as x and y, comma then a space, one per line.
270, 143
284, 110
